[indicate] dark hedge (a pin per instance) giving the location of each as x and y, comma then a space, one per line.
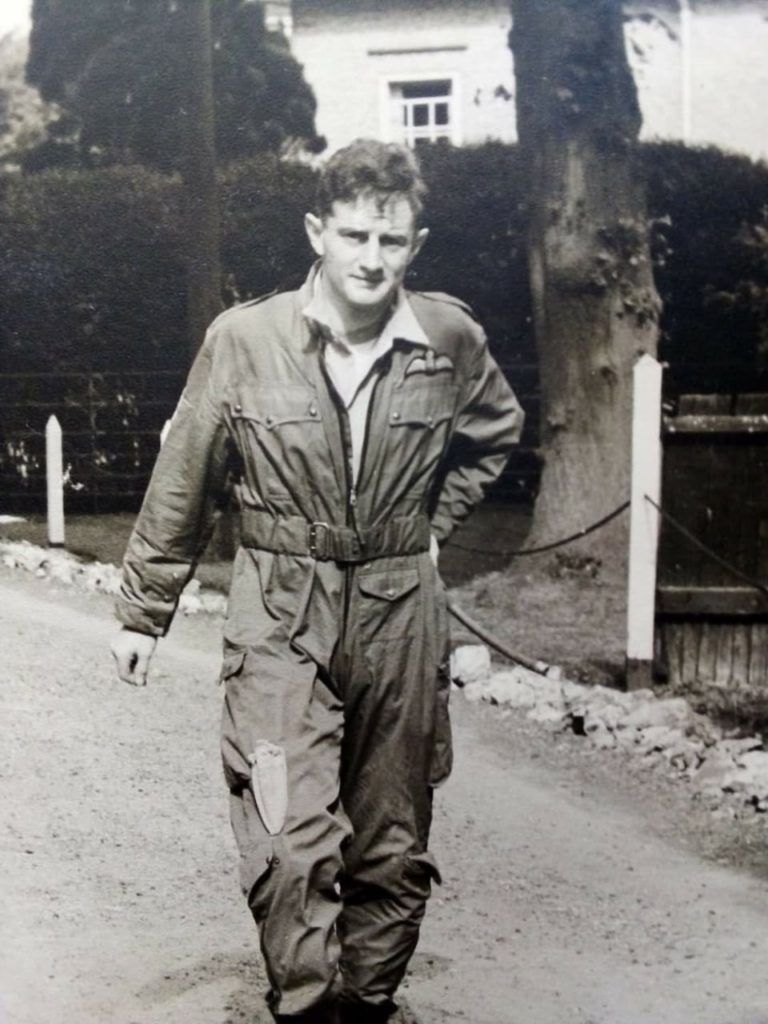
709, 276
91, 274
90, 271
92, 278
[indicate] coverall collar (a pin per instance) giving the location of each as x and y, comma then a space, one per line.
402, 324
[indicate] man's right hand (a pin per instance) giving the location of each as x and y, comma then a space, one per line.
133, 652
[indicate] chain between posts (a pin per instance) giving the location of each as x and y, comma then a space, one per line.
685, 532
541, 668
546, 547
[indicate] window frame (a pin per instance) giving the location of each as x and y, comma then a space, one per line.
386, 82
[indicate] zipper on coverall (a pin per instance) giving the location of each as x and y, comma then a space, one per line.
346, 439
351, 503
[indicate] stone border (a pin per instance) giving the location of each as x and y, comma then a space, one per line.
724, 770
95, 577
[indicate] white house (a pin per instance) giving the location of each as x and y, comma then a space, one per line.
430, 69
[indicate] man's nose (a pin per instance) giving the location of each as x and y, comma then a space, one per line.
370, 258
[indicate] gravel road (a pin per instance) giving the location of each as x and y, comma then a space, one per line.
578, 890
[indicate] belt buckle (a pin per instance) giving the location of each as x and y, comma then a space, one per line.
318, 536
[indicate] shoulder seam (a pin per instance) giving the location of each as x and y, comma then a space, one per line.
449, 300
255, 302
250, 303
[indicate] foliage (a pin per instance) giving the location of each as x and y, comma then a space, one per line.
23, 115
708, 208
118, 71
475, 210
90, 273
750, 292
263, 202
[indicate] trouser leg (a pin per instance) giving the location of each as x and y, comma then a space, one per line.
396, 748
290, 880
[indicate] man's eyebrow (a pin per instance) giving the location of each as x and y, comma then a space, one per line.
394, 236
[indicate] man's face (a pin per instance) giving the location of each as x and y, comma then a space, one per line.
366, 245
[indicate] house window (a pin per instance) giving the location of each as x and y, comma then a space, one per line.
423, 111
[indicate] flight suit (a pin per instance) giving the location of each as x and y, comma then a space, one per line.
336, 636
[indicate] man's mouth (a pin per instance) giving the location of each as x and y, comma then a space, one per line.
369, 282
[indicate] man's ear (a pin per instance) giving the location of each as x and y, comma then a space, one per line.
421, 236
313, 225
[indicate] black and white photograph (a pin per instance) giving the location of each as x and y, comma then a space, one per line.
384, 511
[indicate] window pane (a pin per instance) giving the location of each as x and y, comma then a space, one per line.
425, 90
441, 113
421, 114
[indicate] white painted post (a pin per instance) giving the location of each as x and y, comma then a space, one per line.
164, 432
54, 472
644, 521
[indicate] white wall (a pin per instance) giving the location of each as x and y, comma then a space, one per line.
469, 40
702, 78
702, 72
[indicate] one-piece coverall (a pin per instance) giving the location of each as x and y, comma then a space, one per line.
336, 636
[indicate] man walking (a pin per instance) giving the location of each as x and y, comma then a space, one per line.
356, 424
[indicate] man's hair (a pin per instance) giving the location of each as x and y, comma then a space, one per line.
383, 169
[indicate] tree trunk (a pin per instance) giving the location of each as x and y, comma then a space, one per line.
595, 305
201, 202
201, 207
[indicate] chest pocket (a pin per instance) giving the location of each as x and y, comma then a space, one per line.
419, 428
279, 431
424, 412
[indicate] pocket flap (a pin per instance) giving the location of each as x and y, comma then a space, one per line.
273, 408
389, 586
426, 406
232, 665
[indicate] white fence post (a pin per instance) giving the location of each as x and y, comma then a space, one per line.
164, 432
54, 473
644, 521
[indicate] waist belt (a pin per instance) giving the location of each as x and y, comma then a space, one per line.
294, 535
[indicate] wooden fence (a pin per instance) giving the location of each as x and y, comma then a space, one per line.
712, 624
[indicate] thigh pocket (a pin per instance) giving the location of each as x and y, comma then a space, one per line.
388, 603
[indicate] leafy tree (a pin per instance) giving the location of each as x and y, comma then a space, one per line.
117, 67
23, 115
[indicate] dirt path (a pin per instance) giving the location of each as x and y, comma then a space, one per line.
571, 895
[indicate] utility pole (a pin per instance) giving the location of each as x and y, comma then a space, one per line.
201, 205
201, 200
